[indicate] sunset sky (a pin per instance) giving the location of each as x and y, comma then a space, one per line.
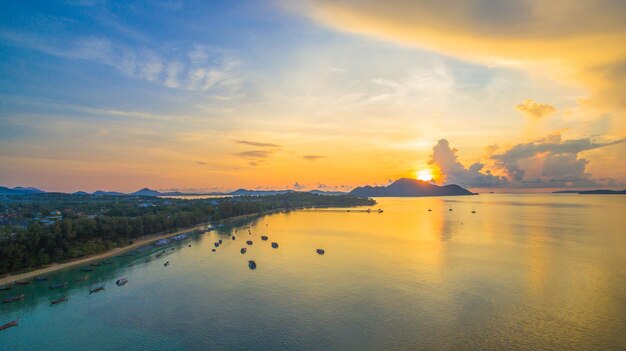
520, 95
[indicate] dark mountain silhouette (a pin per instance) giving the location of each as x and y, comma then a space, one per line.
405, 187
593, 192
19, 191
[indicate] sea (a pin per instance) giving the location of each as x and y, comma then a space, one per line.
487, 272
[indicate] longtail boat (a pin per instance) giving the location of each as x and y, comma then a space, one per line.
243, 250
12, 323
263, 237
22, 282
59, 300
58, 286
121, 282
252, 264
274, 245
320, 251
233, 237
6, 287
95, 290
249, 242
13, 298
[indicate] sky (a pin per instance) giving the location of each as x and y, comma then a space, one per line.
522, 95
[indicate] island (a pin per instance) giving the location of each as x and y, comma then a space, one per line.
405, 187
592, 192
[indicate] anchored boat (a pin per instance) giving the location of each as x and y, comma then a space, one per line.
252, 264
12, 323
274, 245
121, 282
59, 300
263, 237
320, 251
95, 290
13, 298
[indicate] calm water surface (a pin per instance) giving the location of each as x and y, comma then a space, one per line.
524, 272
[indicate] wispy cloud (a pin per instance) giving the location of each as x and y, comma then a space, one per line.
313, 157
255, 143
255, 154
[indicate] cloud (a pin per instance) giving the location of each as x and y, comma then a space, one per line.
532, 109
550, 162
445, 158
313, 157
255, 154
201, 163
582, 39
257, 144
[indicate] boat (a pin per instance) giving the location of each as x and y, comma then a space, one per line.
22, 282
87, 270
95, 290
216, 244
263, 237
220, 241
369, 210
243, 250
252, 264
13, 298
59, 300
249, 242
121, 282
189, 245
12, 323
41, 279
5, 287
58, 286
450, 209
107, 262
320, 251
166, 264
275, 245
380, 210
213, 250
429, 210
233, 237
473, 211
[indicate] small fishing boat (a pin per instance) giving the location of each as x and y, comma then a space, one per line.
429, 210
121, 282
13, 298
233, 237
22, 282
320, 251
5, 287
95, 290
450, 209
220, 241
58, 286
380, 210
275, 245
252, 264
249, 242
213, 250
189, 245
12, 323
87, 270
473, 211
59, 300
263, 237
216, 244
41, 279
166, 264
243, 250
107, 262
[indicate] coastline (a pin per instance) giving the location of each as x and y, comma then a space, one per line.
142, 241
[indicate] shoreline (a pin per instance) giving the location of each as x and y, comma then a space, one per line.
142, 241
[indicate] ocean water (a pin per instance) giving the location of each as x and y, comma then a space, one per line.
525, 272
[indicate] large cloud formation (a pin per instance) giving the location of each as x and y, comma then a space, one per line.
583, 38
445, 158
546, 163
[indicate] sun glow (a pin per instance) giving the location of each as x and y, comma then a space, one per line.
425, 175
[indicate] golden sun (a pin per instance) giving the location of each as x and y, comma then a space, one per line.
425, 175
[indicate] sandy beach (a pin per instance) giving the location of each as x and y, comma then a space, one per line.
145, 240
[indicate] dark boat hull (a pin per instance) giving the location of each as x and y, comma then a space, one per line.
9, 325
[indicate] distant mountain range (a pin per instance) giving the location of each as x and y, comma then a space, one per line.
19, 191
592, 192
405, 187
153, 193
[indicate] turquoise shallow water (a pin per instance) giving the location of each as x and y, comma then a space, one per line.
524, 272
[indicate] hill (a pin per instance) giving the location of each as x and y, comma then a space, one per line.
405, 187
